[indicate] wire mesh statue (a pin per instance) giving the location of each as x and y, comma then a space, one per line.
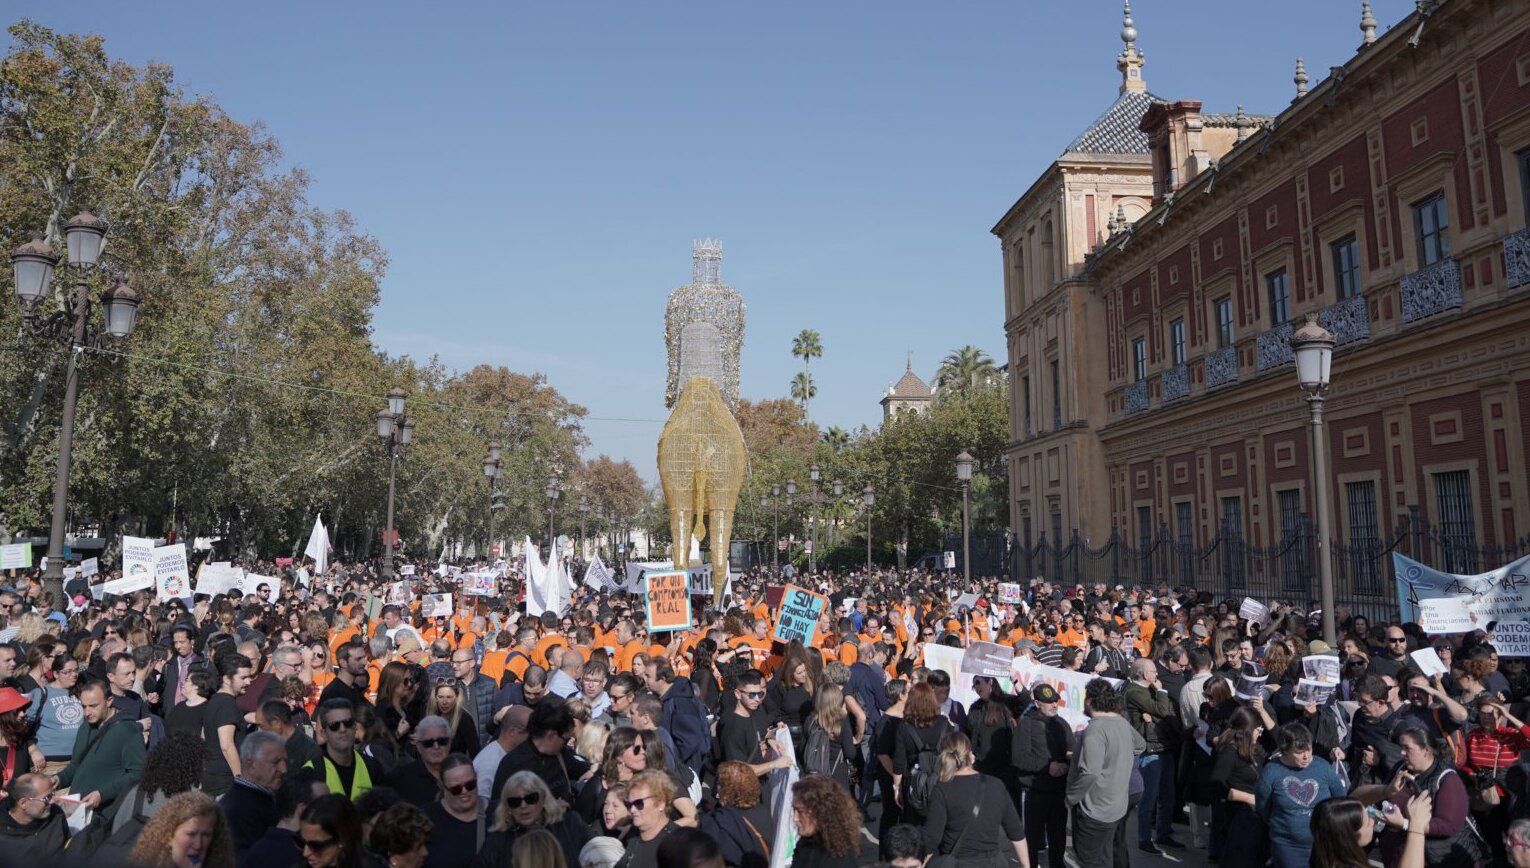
701, 449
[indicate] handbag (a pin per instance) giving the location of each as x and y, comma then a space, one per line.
1484, 795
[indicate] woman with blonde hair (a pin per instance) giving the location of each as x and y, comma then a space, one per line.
830, 738
537, 849
188, 832
527, 806
971, 816
446, 701
29, 627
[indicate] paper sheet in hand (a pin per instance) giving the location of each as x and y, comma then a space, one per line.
436, 606
1253, 610
1009, 592
1321, 667
1429, 662
1308, 690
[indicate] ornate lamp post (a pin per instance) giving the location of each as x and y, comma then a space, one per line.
32, 265
552, 503
1313, 347
813, 474
868, 497
964, 476
396, 430
493, 469
839, 491
775, 519
791, 491
584, 514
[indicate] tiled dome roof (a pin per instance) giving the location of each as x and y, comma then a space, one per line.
1115, 131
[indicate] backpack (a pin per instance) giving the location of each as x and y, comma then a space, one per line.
919, 783
822, 755
510, 677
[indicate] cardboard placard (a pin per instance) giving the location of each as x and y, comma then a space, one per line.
398, 592
948, 560
172, 575
90, 567
1449, 615
16, 556
1009, 592
480, 583
219, 578
988, 658
137, 565
669, 601
252, 583
436, 606
773, 595
965, 601
406, 570
798, 616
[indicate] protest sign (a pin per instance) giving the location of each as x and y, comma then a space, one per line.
798, 615
251, 584
16, 556
90, 567
949, 660
965, 601
137, 564
219, 578
172, 575
1449, 615
398, 592
1251, 679
948, 560
1429, 662
1308, 690
669, 602
436, 606
406, 570
283, 563
773, 595
1511, 638
597, 576
479, 583
1009, 592
779, 785
372, 605
1069, 685
987, 658
303, 576
1253, 610
1496, 595
1321, 667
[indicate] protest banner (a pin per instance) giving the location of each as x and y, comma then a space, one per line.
798, 615
669, 602
172, 575
479, 583
1511, 638
1027, 673
90, 567
1321, 667
16, 556
949, 660
1009, 592
251, 584
219, 578
779, 785
1496, 595
1308, 690
1429, 662
1253, 610
987, 658
436, 606
1449, 615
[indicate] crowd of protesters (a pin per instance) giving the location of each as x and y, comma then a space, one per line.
332, 727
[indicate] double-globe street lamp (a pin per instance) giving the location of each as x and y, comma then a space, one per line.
1312, 345
32, 265
396, 430
493, 469
964, 476
813, 475
868, 497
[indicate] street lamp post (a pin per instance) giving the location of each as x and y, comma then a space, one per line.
813, 474
964, 476
868, 497
839, 491
32, 265
552, 504
396, 430
791, 491
584, 513
1312, 345
775, 522
493, 468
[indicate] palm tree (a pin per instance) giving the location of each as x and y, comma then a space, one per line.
806, 346
803, 389
837, 438
964, 370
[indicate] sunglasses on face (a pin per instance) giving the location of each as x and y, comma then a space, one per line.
459, 789
637, 748
340, 725
753, 694
434, 742
318, 846
517, 801
1395, 640
637, 804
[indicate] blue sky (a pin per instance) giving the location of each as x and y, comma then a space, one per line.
537, 170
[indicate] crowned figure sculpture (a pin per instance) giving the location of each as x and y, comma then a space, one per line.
701, 449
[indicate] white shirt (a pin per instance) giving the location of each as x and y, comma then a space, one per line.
486, 764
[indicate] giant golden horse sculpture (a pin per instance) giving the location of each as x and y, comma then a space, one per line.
701, 469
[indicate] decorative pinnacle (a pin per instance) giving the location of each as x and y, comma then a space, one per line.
1241, 122
706, 262
1128, 31
1367, 22
1130, 60
1300, 78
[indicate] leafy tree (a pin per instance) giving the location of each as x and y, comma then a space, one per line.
837, 438
964, 370
804, 389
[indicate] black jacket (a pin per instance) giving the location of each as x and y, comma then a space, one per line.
250, 813
686, 719
1039, 741
34, 844
571, 832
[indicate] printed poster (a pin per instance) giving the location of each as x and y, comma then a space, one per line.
172, 575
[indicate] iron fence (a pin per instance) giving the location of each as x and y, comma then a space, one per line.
1230, 565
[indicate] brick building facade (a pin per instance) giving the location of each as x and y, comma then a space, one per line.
1390, 199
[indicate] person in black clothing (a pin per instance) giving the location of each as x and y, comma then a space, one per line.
650, 794
458, 824
544, 752
250, 803
342, 768
990, 726
742, 731
223, 723
277, 846
829, 823
187, 715
1042, 746
525, 806
351, 681
33, 830
419, 781
884, 744
923, 728
1238, 833
789, 696
972, 817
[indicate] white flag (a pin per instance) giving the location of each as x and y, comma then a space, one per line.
536, 578
318, 546
557, 587
597, 576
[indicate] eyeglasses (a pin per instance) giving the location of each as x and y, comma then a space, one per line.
433, 742
637, 804
517, 801
1396, 640
47, 800
318, 846
753, 694
637, 748
459, 789
617, 697
340, 725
